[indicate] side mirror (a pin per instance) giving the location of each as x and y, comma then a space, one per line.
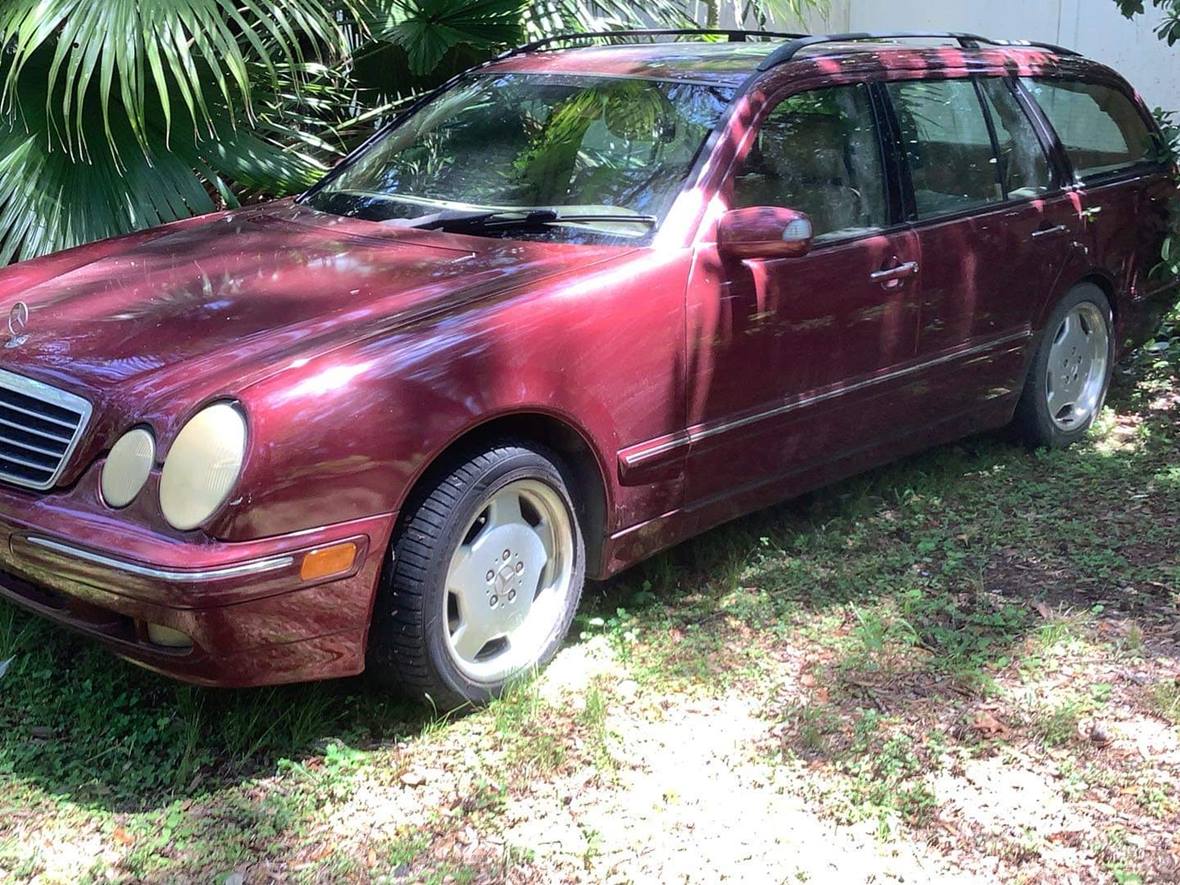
764, 232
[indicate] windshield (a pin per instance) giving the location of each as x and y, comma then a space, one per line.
597, 156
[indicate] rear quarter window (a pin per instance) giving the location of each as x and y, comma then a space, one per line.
1100, 127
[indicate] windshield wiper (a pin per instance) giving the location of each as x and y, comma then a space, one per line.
459, 219
499, 219
607, 218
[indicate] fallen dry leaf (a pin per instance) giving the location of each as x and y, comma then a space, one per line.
987, 724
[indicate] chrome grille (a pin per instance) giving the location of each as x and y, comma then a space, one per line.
39, 428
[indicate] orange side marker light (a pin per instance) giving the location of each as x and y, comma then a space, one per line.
328, 561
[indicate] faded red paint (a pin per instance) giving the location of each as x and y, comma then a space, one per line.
701, 386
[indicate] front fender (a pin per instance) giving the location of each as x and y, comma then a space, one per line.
346, 434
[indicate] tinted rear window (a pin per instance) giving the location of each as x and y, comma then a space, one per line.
1101, 128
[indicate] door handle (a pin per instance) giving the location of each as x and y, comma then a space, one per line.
895, 274
1050, 231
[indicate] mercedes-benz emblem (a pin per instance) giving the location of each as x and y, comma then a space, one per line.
18, 321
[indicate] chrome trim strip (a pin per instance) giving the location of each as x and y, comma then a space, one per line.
255, 567
9, 441
706, 431
13, 459
64, 440
55, 397
39, 416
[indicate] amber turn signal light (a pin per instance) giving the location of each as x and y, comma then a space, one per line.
328, 561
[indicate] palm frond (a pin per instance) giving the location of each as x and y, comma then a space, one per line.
781, 13
174, 54
51, 200
429, 29
558, 16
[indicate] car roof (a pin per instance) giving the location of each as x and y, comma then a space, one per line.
730, 64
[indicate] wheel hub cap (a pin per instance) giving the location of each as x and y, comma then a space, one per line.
1078, 361
509, 580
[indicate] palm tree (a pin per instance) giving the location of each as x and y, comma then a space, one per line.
121, 114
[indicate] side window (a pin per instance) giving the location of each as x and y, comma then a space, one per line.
1024, 169
1101, 128
818, 152
947, 144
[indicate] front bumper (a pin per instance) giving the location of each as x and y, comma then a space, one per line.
252, 619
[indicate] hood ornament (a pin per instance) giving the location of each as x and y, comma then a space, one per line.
18, 321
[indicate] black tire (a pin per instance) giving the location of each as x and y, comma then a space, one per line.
1032, 420
408, 647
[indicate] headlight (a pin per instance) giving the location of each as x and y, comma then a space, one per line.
202, 465
127, 467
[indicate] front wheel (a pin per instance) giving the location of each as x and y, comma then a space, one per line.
1070, 372
485, 577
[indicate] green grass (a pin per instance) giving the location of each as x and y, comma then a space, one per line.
76, 720
538, 738
1166, 698
869, 620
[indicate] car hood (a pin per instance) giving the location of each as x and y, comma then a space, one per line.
224, 302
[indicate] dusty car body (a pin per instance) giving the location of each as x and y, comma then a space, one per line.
681, 378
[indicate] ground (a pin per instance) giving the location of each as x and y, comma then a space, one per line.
962, 667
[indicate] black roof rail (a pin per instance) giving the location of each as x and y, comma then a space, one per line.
733, 35
1037, 44
787, 52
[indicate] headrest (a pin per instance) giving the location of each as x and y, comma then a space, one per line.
806, 146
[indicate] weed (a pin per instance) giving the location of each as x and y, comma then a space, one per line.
592, 722
405, 849
538, 737
19, 861
813, 725
1058, 724
1165, 698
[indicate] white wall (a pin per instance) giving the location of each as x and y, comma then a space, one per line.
1093, 27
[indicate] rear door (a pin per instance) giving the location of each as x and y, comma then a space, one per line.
995, 227
1122, 183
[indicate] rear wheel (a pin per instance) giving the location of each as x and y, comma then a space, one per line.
1070, 373
486, 574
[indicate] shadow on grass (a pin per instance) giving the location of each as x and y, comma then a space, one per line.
929, 576
77, 722
944, 553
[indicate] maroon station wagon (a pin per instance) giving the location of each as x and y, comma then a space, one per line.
578, 305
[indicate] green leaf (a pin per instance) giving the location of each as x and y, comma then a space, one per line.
137, 177
132, 56
428, 29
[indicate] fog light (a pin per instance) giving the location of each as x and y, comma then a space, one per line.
158, 634
328, 561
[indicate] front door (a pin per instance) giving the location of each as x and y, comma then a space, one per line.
792, 361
